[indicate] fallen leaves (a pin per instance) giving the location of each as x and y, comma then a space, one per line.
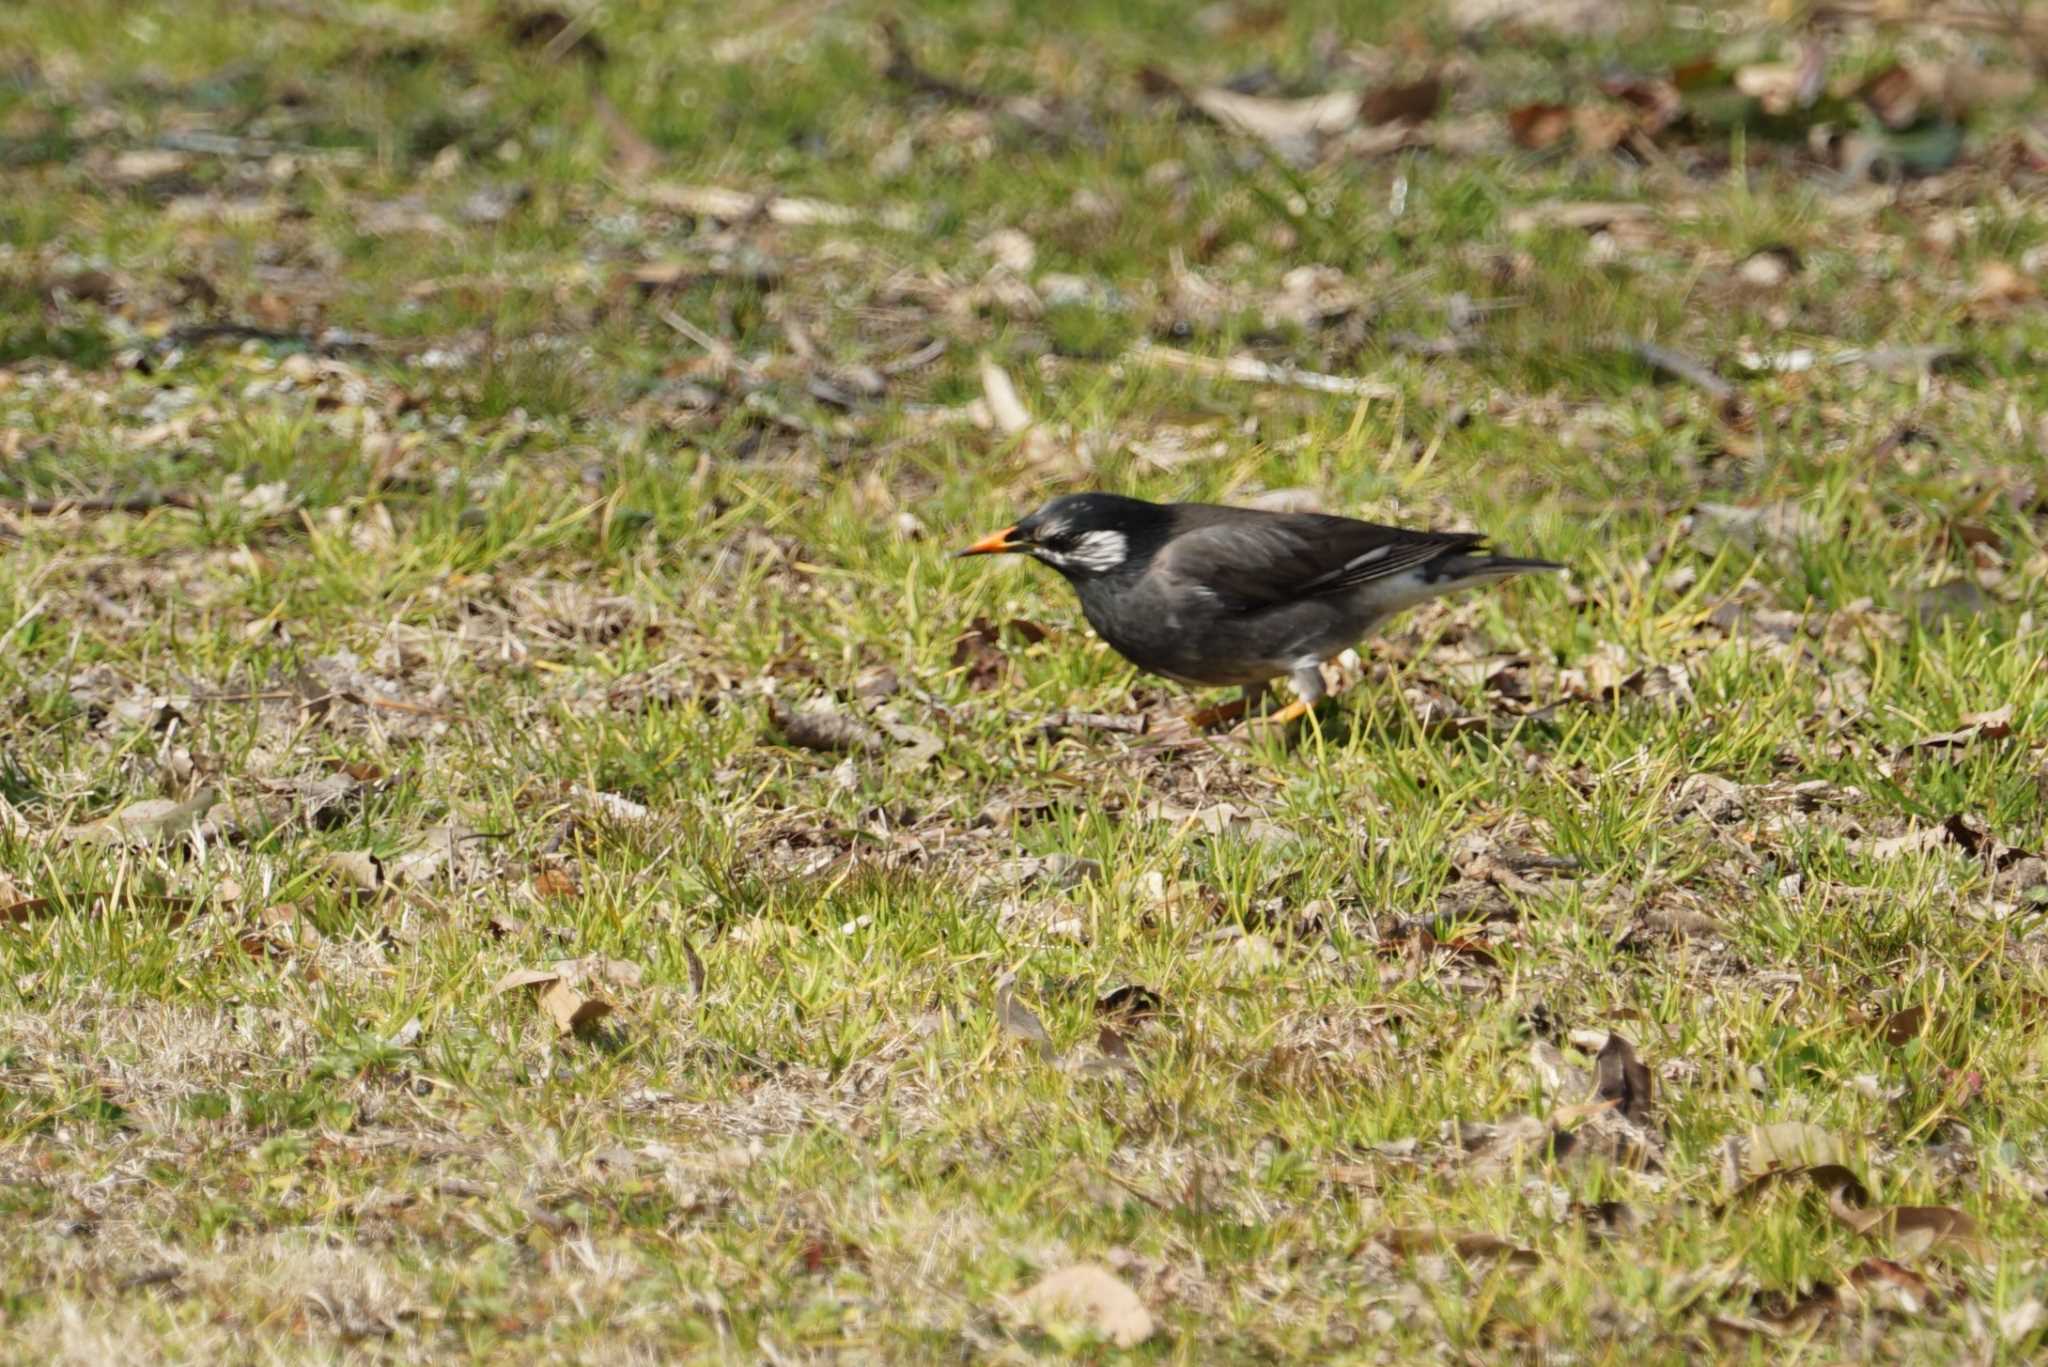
1472, 1247
153, 821
1971, 728
821, 726
1297, 129
565, 992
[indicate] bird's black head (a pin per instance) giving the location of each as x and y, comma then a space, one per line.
1085, 536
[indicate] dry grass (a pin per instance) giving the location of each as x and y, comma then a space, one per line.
421, 494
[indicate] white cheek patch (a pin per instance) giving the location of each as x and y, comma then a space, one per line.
1100, 551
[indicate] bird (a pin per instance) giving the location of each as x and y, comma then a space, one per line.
1214, 596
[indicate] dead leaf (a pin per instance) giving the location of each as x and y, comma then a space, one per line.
1623, 1079
1290, 127
153, 821
176, 910
1539, 127
554, 881
1413, 102
821, 726
1895, 96
277, 931
1890, 1287
1785, 1145
557, 992
1409, 1242
1093, 1297
979, 651
696, 965
444, 850
1912, 1231
358, 870
620, 972
570, 1010
2000, 287
1005, 406
1131, 1002
1019, 1020
1973, 727
1901, 1028
2023, 1320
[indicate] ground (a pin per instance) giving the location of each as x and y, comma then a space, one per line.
519, 841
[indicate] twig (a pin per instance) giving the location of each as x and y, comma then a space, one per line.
1680, 366
35, 610
904, 70
1096, 721
916, 360
1251, 370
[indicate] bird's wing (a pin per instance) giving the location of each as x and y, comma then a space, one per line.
1257, 562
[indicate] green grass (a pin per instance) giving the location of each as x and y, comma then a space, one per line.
534, 544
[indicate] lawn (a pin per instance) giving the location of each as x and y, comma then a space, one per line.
517, 839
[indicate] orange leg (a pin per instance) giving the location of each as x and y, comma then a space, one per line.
1276, 721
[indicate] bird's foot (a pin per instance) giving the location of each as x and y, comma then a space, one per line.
1275, 721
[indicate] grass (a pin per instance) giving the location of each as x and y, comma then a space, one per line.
483, 573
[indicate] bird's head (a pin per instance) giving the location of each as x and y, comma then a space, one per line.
1083, 536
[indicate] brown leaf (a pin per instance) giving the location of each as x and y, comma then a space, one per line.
696, 968
1975, 726
1890, 1286
1655, 102
557, 993
358, 870
177, 910
1539, 127
1901, 1028
524, 977
1093, 1297
278, 930
979, 651
1622, 1078
622, 972
637, 158
1414, 101
1131, 1002
570, 1010
822, 727
1911, 1230
555, 881
1019, 1020
1895, 96
154, 821
1409, 1242
1829, 1177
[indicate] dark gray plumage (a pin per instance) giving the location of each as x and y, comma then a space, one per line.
1214, 596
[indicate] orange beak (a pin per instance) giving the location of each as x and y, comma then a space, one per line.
995, 543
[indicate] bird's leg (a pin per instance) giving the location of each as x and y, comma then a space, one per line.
1234, 710
1307, 683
